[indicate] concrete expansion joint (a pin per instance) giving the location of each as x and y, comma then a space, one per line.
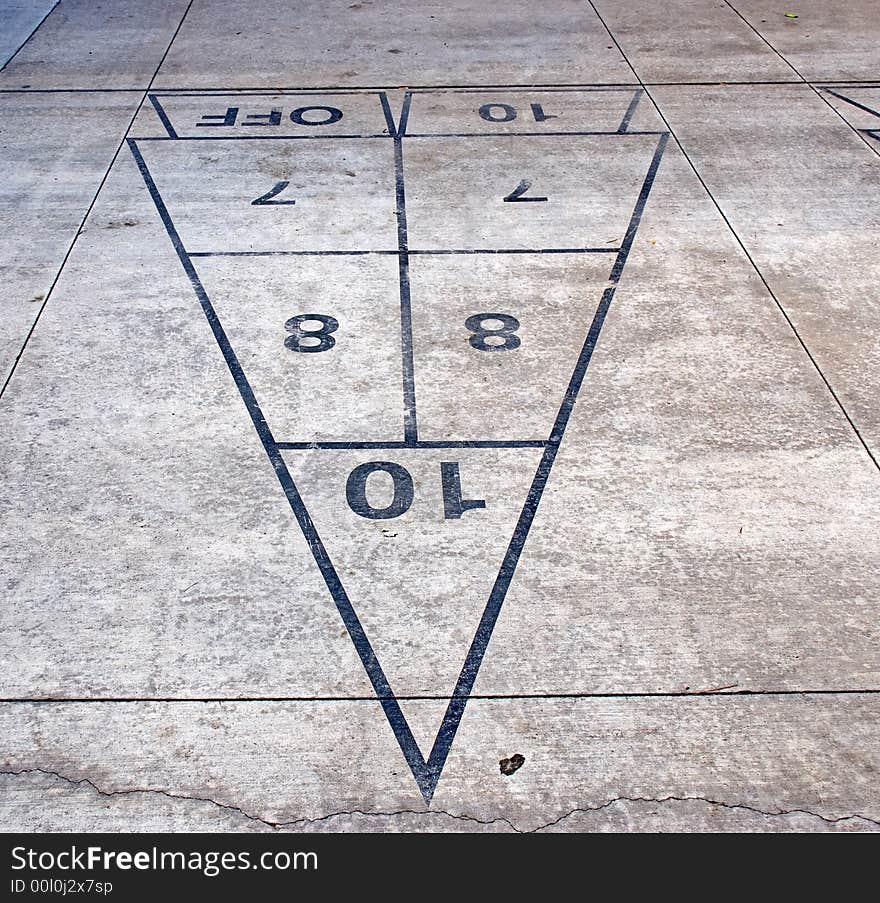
433, 813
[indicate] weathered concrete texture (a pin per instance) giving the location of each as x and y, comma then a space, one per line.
687, 523
826, 40
48, 178
706, 764
165, 534
683, 41
800, 189
712, 512
225, 44
20, 18
96, 44
689, 640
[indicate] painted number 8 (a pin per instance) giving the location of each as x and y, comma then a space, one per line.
492, 337
310, 340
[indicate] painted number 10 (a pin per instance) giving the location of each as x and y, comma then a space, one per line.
504, 112
454, 503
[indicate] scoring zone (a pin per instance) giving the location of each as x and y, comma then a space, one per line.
407, 300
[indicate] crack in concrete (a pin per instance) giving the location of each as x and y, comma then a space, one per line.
779, 813
77, 782
417, 812
276, 825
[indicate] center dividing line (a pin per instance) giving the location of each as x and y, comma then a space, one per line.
410, 422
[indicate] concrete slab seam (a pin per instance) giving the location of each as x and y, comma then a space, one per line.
740, 242
25, 41
85, 217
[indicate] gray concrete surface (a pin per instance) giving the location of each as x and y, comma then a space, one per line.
689, 636
103, 44
20, 21
48, 178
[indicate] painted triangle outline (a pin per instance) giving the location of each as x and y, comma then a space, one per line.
425, 771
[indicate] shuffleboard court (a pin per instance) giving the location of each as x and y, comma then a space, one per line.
369, 434
600, 183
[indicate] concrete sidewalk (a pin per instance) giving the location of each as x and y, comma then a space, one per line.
440, 417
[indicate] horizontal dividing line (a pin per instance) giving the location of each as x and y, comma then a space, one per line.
615, 88
72, 90
418, 444
211, 137
517, 251
370, 89
421, 89
267, 92
463, 88
425, 252
286, 253
602, 134
488, 697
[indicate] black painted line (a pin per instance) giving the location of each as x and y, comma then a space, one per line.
630, 111
603, 134
849, 100
477, 651
404, 114
488, 697
287, 253
410, 251
163, 116
635, 220
550, 89
389, 118
254, 137
396, 129
606, 134
419, 444
358, 635
514, 251
257, 92
33, 32
422, 88
410, 419
472, 89
144, 92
